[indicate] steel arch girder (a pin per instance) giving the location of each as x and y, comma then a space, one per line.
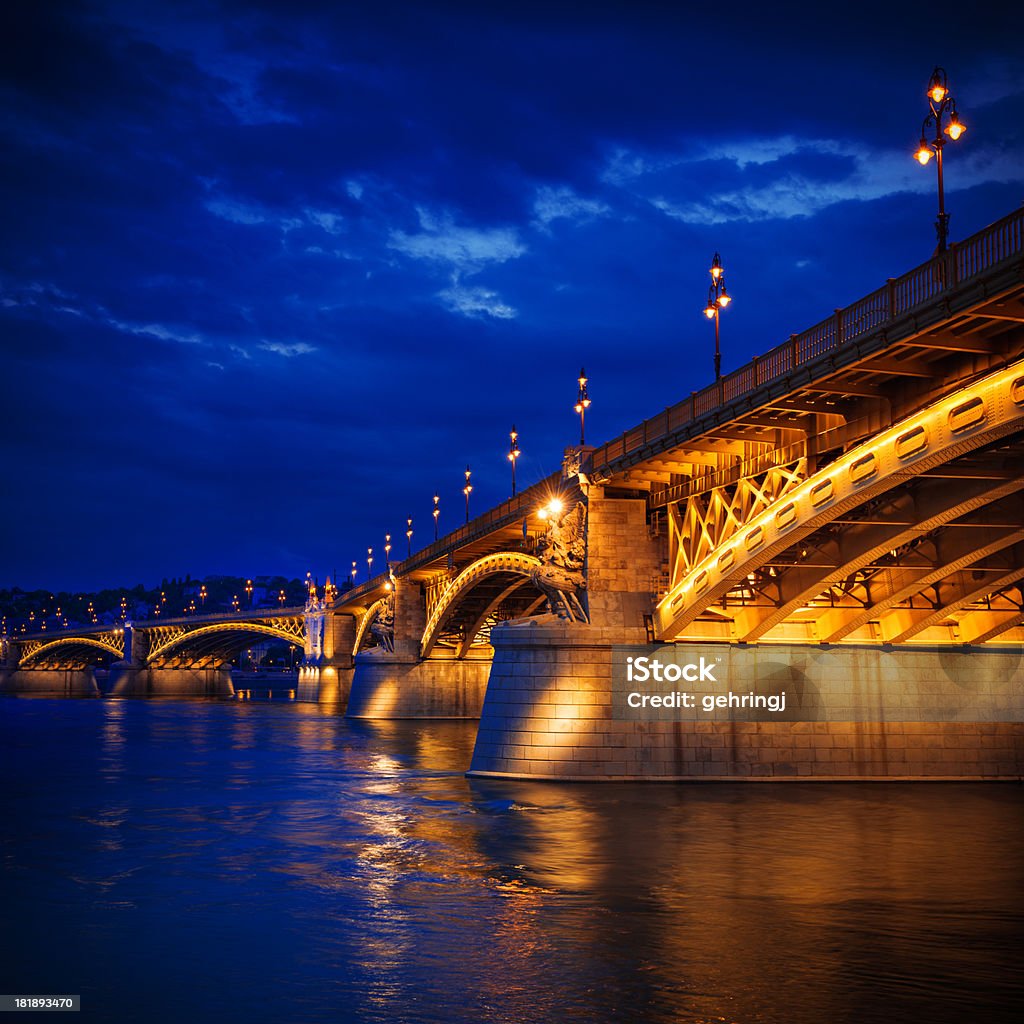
933, 504
966, 547
970, 418
961, 589
365, 621
71, 642
475, 627
489, 565
174, 644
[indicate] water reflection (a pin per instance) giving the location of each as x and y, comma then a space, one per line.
349, 871
113, 741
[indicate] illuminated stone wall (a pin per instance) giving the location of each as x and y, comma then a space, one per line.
129, 681
387, 687
70, 682
623, 562
548, 714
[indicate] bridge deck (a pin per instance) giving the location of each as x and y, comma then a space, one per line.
947, 319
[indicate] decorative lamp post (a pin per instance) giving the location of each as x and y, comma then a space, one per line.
354, 570
436, 513
387, 552
369, 563
408, 535
280, 598
466, 491
513, 454
202, 595
942, 105
582, 403
248, 592
718, 299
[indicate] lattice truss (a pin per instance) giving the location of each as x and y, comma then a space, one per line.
704, 521
959, 583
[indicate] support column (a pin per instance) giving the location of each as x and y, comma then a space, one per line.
57, 682
327, 678
623, 565
397, 684
133, 677
410, 619
940, 713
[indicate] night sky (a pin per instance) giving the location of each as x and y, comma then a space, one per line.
270, 274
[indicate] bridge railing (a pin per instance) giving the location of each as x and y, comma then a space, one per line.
524, 503
900, 296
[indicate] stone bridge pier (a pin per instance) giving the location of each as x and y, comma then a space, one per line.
134, 676
70, 681
392, 680
325, 674
547, 712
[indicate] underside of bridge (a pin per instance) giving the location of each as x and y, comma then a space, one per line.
72, 652
939, 559
217, 643
498, 598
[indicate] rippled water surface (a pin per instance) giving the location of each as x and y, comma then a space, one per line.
211, 861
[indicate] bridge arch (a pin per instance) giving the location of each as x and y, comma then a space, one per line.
506, 574
969, 419
366, 620
219, 639
69, 646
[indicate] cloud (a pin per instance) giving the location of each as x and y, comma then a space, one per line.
236, 212
159, 331
787, 177
48, 297
563, 203
239, 212
465, 248
330, 222
476, 302
289, 351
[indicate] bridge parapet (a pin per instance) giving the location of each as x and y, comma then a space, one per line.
927, 294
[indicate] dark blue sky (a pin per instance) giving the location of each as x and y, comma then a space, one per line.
270, 274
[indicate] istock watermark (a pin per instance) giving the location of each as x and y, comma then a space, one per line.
772, 683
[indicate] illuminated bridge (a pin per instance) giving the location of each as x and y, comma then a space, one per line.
855, 493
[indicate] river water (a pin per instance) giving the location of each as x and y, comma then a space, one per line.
217, 861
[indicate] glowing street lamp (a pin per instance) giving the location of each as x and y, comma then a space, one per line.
202, 595
369, 563
408, 535
387, 551
280, 598
466, 491
718, 299
552, 510
248, 592
436, 513
354, 570
942, 105
513, 454
582, 402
